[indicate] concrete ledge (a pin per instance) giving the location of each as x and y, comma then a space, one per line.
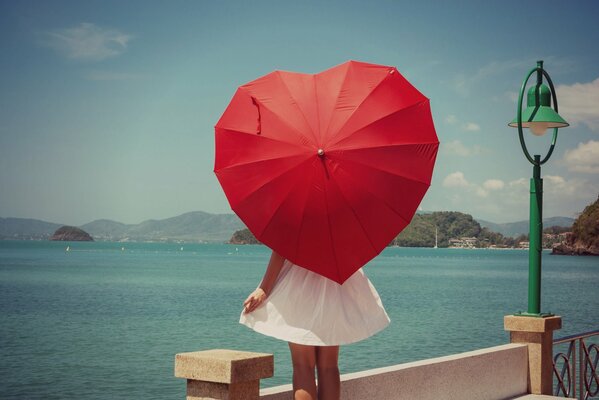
536, 397
515, 323
494, 373
224, 366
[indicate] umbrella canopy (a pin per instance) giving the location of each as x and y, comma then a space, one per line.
327, 169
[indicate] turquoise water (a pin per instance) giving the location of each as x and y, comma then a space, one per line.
101, 322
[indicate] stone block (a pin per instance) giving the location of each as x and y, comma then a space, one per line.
516, 323
224, 366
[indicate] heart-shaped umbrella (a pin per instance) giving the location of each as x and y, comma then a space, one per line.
327, 169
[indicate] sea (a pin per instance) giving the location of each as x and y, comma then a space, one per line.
105, 320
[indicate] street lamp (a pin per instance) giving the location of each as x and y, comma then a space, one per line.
538, 117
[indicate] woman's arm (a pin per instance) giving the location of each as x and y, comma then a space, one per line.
258, 296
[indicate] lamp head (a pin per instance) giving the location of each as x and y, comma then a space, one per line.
539, 116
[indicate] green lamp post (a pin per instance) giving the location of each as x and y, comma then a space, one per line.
538, 117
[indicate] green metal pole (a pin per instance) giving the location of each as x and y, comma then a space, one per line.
535, 239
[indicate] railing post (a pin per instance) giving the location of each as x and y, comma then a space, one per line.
223, 374
582, 368
537, 333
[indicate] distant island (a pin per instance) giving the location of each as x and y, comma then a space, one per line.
243, 236
446, 229
584, 238
71, 234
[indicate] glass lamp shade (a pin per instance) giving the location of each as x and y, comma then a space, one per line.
538, 115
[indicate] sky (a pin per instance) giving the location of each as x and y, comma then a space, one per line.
107, 108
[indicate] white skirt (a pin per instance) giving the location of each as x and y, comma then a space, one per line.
306, 308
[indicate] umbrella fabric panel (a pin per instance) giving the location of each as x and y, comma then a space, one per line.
276, 105
240, 115
391, 94
359, 82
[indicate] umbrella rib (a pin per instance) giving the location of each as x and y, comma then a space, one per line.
272, 178
261, 135
319, 139
331, 231
377, 120
296, 105
297, 240
378, 197
356, 217
389, 172
241, 164
282, 201
337, 98
385, 146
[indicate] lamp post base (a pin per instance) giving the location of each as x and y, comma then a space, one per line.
534, 315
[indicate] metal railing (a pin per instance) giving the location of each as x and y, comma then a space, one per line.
581, 367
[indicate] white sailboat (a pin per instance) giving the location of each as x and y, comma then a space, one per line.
435, 238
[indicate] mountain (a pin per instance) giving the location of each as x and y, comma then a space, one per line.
195, 226
105, 228
202, 226
26, 228
514, 229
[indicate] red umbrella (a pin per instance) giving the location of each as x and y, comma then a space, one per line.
327, 169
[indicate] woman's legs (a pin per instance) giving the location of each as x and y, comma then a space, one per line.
304, 359
327, 358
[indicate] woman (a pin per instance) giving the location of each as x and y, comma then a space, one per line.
315, 315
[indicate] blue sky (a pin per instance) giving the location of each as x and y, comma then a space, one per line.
107, 108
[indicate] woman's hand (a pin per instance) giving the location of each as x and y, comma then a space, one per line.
254, 300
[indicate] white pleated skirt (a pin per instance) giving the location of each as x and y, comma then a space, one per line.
306, 308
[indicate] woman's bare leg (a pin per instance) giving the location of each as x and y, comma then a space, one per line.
327, 364
304, 360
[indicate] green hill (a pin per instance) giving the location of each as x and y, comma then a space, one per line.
449, 225
421, 232
584, 239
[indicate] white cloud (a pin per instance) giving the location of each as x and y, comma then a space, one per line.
458, 180
584, 158
579, 103
471, 127
506, 201
493, 184
455, 147
87, 41
455, 180
480, 192
451, 119
467, 126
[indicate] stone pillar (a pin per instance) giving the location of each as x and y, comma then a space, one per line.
538, 334
223, 374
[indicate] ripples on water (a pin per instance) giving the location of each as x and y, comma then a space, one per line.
99, 322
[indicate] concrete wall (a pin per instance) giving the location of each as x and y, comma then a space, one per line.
494, 373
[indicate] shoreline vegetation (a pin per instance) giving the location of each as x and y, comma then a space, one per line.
452, 229
446, 229
442, 229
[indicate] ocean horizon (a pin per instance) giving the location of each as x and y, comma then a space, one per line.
104, 320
